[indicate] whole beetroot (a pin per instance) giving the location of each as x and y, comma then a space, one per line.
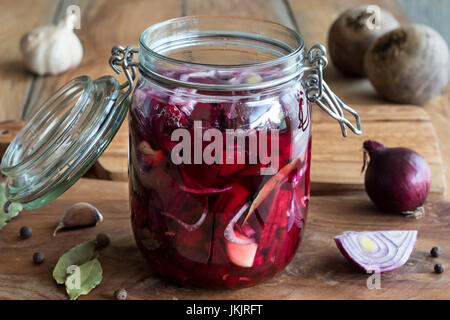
352, 33
409, 64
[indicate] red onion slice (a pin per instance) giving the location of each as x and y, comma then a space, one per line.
377, 251
190, 227
229, 233
205, 190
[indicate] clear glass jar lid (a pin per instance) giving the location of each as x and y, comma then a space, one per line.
62, 141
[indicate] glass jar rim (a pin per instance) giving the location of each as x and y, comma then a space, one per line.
290, 63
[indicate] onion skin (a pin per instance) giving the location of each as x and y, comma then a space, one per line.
396, 179
349, 38
409, 64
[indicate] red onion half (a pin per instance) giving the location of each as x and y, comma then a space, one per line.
377, 251
396, 179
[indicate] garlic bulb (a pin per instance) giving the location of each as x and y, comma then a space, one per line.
52, 49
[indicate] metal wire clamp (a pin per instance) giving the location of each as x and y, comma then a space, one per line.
320, 93
122, 60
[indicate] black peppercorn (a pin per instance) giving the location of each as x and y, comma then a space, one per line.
439, 268
25, 232
38, 257
435, 252
120, 294
103, 240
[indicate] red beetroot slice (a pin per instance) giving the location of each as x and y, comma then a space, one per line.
233, 165
199, 175
208, 114
192, 224
157, 178
194, 245
174, 118
274, 231
164, 123
377, 251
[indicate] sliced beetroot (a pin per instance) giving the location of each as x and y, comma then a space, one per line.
274, 231
274, 182
194, 245
207, 113
230, 164
173, 118
198, 175
377, 251
164, 123
190, 221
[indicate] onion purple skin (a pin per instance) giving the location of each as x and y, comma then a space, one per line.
396, 179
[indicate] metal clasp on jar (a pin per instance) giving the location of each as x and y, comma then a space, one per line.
123, 57
318, 92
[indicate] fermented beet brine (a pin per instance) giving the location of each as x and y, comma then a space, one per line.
220, 148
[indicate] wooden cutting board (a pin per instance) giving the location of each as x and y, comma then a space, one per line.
337, 162
318, 271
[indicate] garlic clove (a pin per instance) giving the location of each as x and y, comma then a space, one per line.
81, 214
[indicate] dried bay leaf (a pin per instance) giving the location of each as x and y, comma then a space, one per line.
275, 181
13, 209
83, 280
78, 255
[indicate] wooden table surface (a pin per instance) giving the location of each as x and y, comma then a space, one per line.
110, 22
318, 271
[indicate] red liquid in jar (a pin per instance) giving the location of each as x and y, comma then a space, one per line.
182, 214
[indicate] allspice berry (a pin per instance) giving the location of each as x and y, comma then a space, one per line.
120, 294
435, 252
38, 257
439, 268
25, 232
103, 240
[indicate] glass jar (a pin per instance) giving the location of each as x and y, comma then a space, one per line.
219, 148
